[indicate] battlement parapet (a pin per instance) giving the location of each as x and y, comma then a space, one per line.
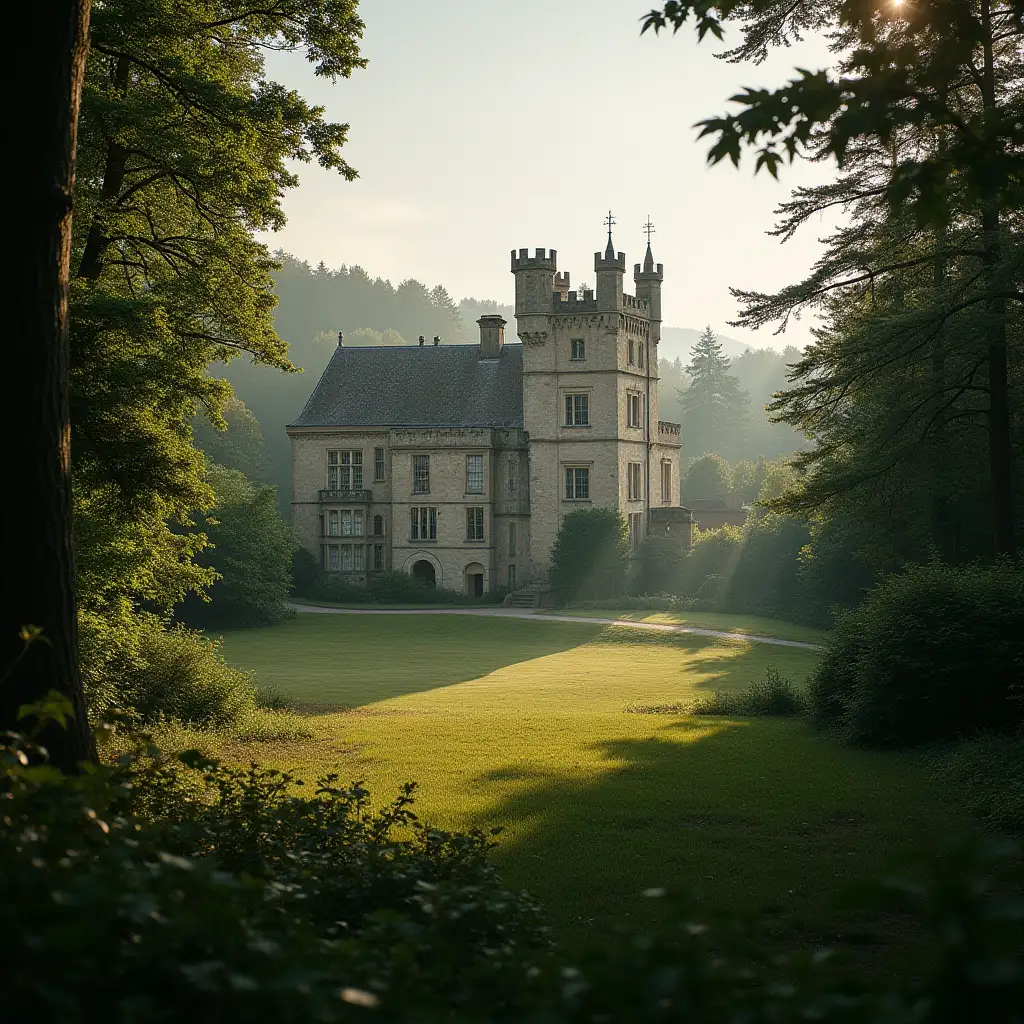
572, 303
543, 259
617, 262
639, 274
632, 302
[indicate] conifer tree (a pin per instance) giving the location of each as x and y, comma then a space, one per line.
714, 406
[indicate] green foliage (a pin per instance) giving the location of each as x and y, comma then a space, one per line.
185, 150
588, 560
773, 696
306, 572
988, 772
661, 560
250, 549
711, 563
936, 653
239, 445
137, 665
708, 476
714, 413
193, 890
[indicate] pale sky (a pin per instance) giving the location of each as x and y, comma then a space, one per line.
480, 127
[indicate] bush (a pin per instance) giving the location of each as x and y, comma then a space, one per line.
934, 654
140, 665
988, 773
710, 564
774, 696
661, 563
588, 560
306, 573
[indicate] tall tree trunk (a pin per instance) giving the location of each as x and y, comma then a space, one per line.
37, 584
1000, 446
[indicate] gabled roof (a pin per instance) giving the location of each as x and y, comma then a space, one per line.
417, 386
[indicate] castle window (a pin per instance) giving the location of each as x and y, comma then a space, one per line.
378, 465
421, 474
333, 563
634, 409
474, 474
577, 349
333, 523
577, 410
636, 529
631, 352
378, 526
345, 471
379, 564
640, 354
577, 483
666, 482
634, 480
513, 474
474, 523
424, 522
511, 577
512, 539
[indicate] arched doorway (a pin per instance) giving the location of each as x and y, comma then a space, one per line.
475, 579
423, 572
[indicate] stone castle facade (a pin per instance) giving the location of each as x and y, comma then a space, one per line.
457, 463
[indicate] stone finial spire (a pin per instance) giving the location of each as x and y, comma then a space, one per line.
649, 258
609, 251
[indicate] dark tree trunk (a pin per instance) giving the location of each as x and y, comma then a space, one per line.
37, 584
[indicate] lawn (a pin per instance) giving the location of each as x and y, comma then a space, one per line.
539, 726
750, 625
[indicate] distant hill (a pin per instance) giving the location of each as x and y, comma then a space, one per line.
677, 341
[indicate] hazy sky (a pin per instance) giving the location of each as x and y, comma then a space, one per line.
480, 127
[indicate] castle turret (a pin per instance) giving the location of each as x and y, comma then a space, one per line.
609, 270
648, 286
562, 286
535, 280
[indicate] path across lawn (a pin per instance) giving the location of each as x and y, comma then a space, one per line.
574, 737
590, 619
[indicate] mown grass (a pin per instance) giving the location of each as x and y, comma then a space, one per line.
532, 725
726, 622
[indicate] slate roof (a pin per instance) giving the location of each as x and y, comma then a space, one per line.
417, 386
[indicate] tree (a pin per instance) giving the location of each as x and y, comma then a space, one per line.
930, 94
38, 581
186, 151
707, 477
714, 409
237, 444
588, 560
250, 551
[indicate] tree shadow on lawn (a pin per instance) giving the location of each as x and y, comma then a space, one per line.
329, 662
760, 819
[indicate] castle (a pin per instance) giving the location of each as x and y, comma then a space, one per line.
456, 463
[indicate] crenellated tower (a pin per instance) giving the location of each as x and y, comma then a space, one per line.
590, 377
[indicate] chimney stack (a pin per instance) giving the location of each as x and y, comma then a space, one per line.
421, 341
492, 335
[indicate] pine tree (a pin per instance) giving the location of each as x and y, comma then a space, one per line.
714, 406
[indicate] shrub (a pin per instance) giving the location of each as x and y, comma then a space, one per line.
934, 654
988, 773
710, 564
773, 696
660, 567
306, 573
588, 561
140, 665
